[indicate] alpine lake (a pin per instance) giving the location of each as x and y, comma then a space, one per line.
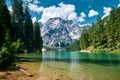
68, 65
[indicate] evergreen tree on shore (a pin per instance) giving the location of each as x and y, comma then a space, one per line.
21, 20
6, 35
18, 19
105, 33
84, 43
37, 39
5, 22
16, 29
28, 30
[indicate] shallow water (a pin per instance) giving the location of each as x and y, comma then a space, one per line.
62, 65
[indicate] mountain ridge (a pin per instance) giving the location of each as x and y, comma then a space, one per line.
61, 33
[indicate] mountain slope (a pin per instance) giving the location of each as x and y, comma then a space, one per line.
61, 33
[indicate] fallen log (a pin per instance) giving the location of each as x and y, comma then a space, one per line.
18, 67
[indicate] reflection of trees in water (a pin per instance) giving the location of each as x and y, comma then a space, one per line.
75, 66
77, 57
30, 57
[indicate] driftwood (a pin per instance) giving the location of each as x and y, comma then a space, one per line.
18, 67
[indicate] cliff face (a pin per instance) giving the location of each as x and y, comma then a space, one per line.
60, 33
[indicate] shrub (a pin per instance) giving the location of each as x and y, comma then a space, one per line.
118, 45
116, 51
7, 53
16, 47
6, 58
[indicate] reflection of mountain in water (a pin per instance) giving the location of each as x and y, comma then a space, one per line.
62, 65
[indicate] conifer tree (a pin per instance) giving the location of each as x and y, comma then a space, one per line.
37, 39
84, 43
28, 30
5, 22
92, 36
18, 19
6, 56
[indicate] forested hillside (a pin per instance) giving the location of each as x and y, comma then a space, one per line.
74, 47
17, 33
104, 34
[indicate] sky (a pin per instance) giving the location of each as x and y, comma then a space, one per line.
81, 11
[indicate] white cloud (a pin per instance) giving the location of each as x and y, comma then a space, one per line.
34, 19
10, 9
92, 13
72, 16
65, 11
36, 2
83, 14
106, 11
82, 17
35, 8
118, 5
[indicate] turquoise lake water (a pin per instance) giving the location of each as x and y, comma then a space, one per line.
63, 65
66, 65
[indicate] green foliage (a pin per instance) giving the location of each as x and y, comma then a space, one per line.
4, 21
84, 43
118, 45
113, 28
18, 19
24, 30
28, 31
116, 51
50, 47
104, 34
7, 53
37, 39
74, 47
21, 20
16, 47
6, 58
15, 37
92, 38
96, 33
101, 51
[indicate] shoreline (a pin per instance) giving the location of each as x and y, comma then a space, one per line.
116, 51
31, 67
36, 69
88, 51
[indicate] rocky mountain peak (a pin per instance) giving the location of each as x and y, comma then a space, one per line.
60, 33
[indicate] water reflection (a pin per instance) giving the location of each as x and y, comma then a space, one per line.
62, 65
73, 60
77, 57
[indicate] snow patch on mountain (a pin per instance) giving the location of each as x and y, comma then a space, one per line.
61, 33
